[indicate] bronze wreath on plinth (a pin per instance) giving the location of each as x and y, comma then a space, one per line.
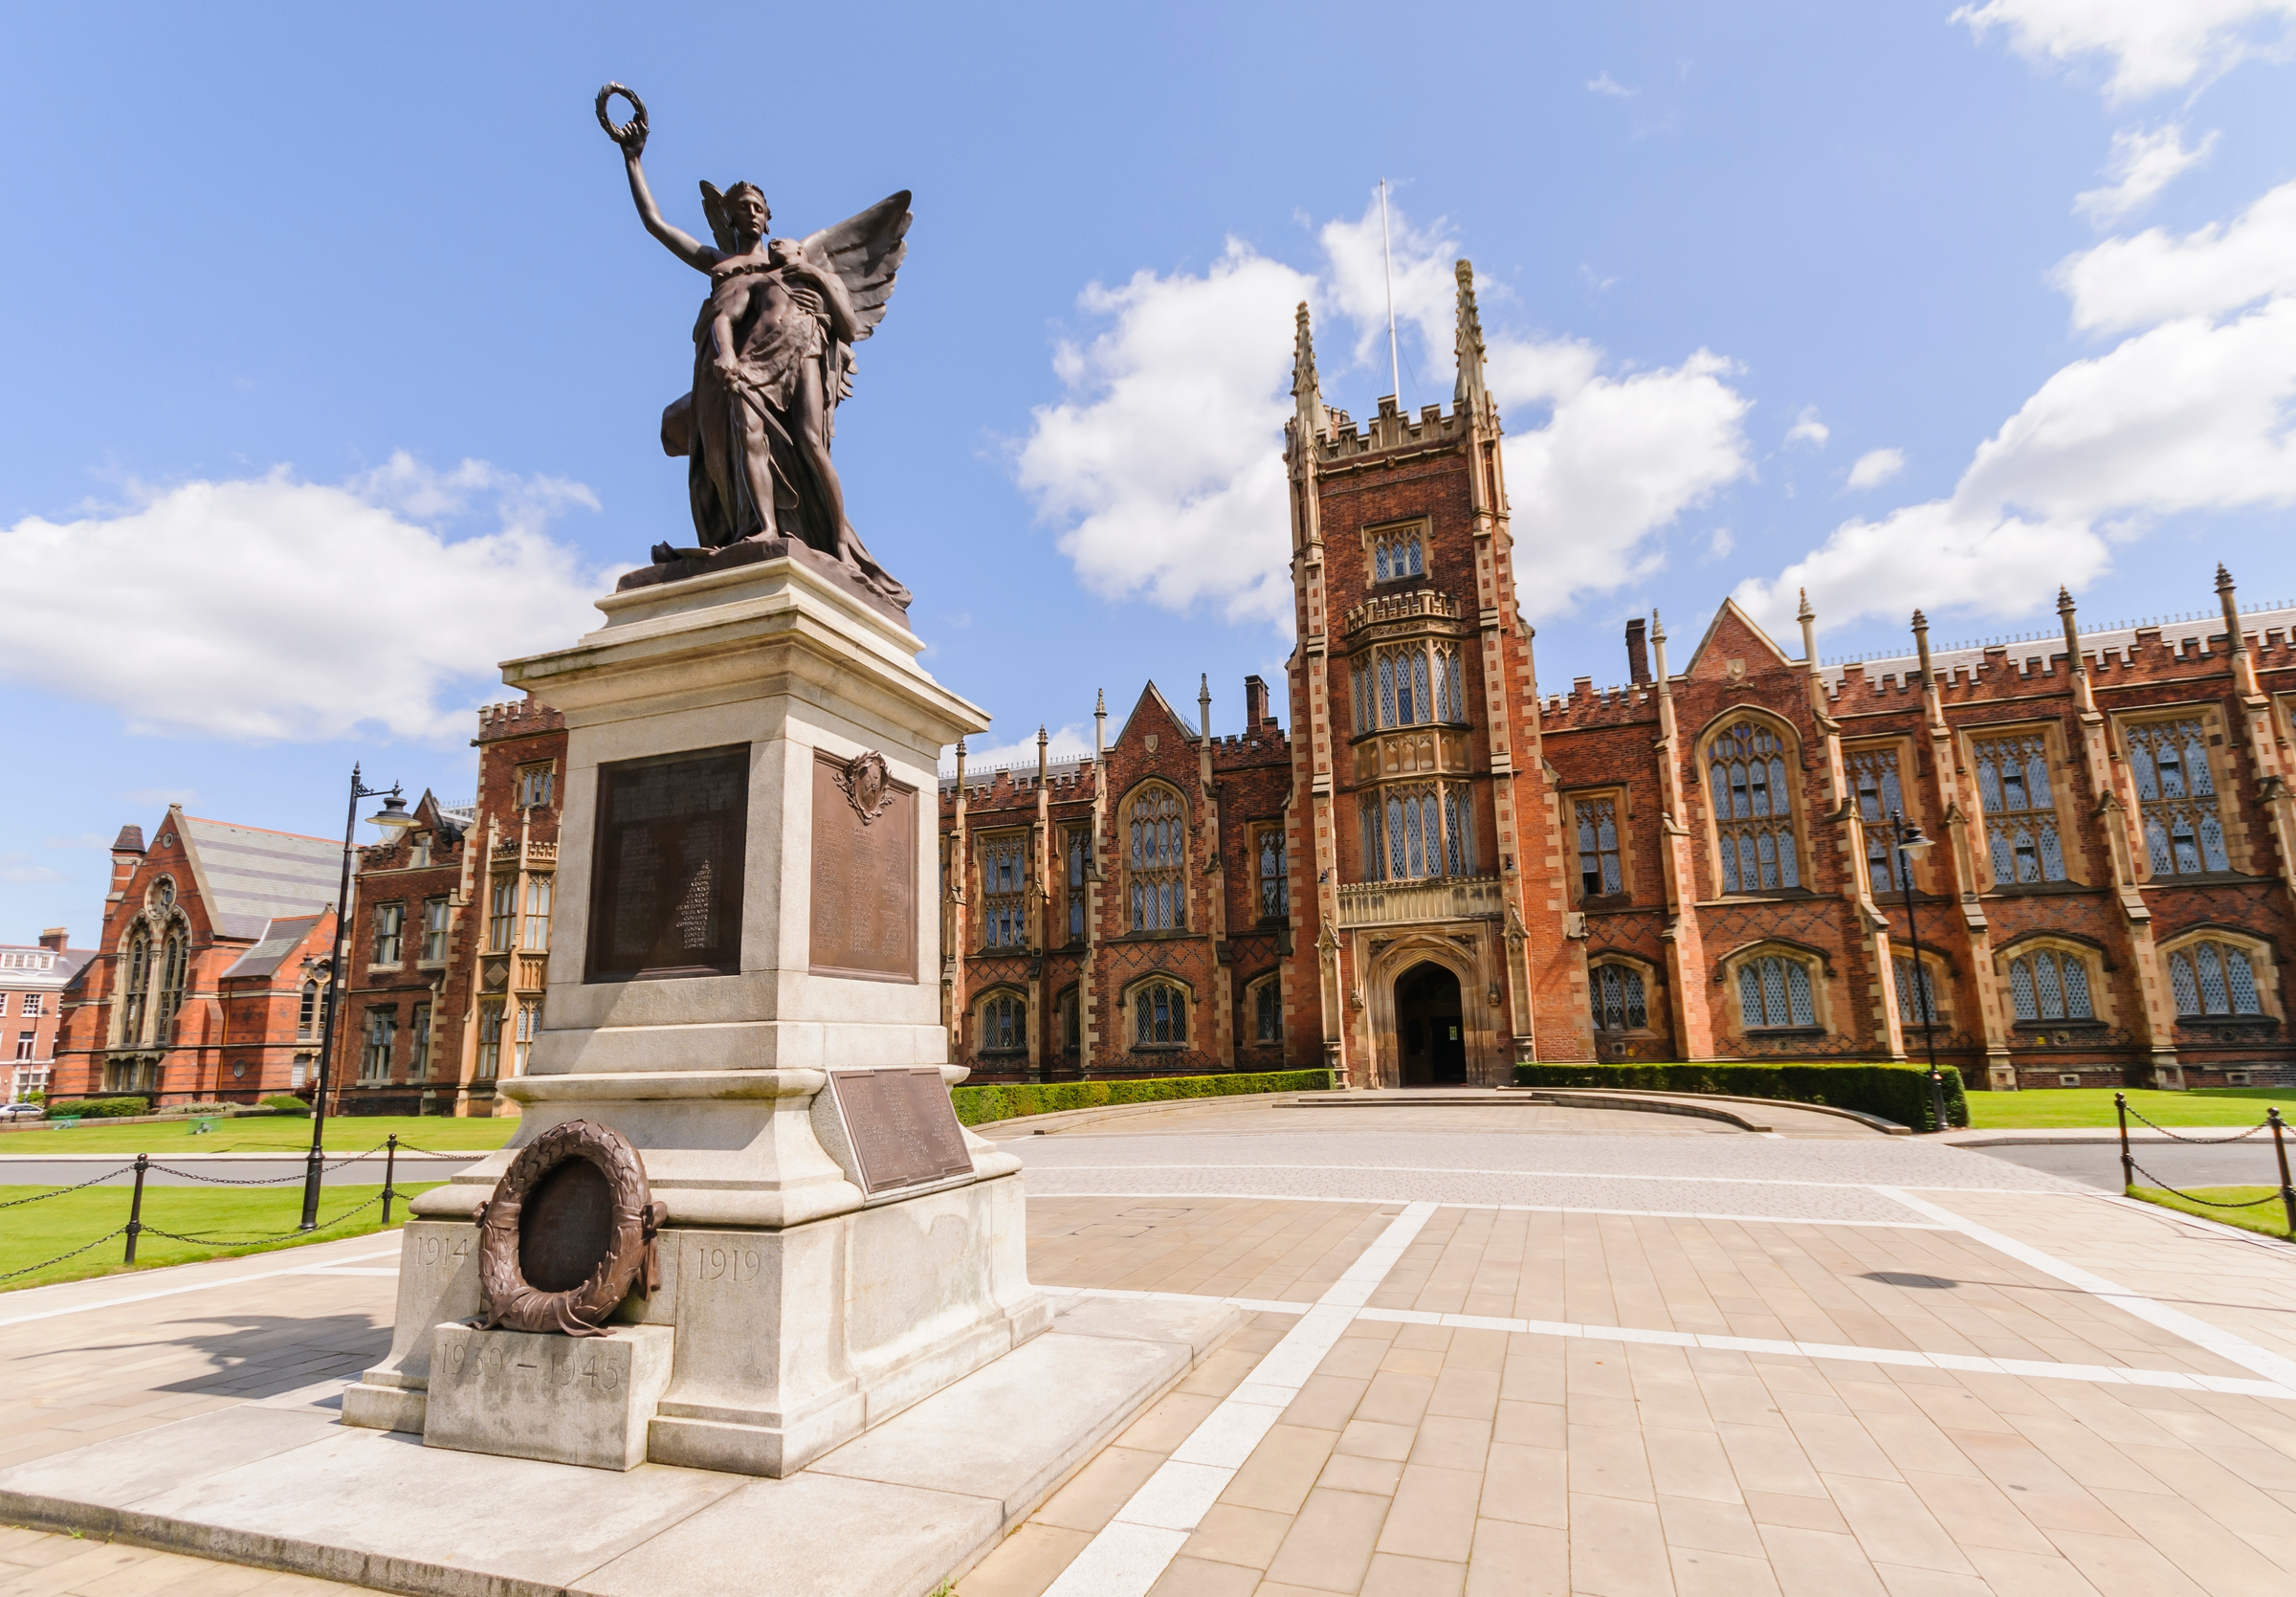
569, 1232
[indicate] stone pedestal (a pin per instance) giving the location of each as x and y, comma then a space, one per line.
596, 1396
805, 1308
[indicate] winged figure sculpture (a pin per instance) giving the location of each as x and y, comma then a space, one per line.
773, 359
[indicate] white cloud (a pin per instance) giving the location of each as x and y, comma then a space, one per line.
1064, 742
1808, 429
1720, 545
1603, 83
1160, 460
2157, 276
1163, 463
268, 607
2154, 44
1876, 465
2142, 165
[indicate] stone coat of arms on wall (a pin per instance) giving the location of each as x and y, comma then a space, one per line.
866, 784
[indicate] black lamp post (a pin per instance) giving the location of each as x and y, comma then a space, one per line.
394, 819
1911, 845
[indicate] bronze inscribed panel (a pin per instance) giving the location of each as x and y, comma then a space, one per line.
904, 1128
864, 920
666, 867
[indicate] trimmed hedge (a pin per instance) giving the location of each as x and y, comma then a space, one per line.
1899, 1093
102, 1108
979, 1105
287, 1103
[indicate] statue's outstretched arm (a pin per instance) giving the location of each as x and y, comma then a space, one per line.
680, 243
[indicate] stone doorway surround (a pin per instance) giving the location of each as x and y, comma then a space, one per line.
1428, 1027
1472, 952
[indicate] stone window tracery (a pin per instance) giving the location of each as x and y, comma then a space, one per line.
2212, 978
1159, 1013
1409, 684
1275, 880
136, 989
502, 914
1077, 839
2177, 795
1003, 1024
1004, 889
1615, 993
1156, 836
1417, 830
306, 1012
1753, 808
2048, 983
537, 936
1774, 992
1396, 555
1268, 1010
1917, 994
530, 1027
175, 960
1873, 773
418, 1044
2022, 839
490, 1038
1599, 871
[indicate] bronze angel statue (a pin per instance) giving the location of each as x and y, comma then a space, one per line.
773, 358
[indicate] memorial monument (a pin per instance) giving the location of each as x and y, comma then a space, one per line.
740, 1223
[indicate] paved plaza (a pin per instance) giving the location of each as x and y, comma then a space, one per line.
1513, 1348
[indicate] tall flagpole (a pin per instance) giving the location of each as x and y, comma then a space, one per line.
1394, 364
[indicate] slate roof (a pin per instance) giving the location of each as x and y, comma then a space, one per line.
249, 877
24, 966
279, 939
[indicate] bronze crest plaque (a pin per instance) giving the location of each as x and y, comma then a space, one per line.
903, 1126
864, 871
666, 871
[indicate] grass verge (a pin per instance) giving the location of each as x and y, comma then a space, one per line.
2052, 1107
41, 1230
2263, 1213
346, 1134
980, 1105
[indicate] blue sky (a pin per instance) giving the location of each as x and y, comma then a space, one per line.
336, 352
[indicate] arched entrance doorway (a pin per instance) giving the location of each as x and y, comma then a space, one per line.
1428, 1028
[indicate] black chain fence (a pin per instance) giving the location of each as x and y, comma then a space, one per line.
2283, 1195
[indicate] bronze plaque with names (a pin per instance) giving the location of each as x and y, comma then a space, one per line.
904, 1128
865, 850
666, 867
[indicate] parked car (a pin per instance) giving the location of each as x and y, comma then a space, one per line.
22, 1111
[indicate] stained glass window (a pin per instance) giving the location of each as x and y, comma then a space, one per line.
1754, 810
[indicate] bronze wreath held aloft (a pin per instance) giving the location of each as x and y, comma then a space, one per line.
569, 1232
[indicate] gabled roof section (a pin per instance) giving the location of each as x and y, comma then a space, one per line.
1153, 701
280, 938
1733, 635
248, 877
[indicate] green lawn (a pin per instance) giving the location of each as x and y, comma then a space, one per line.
2261, 1210
236, 1217
266, 1134
2092, 1106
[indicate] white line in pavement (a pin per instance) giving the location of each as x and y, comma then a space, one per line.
1131, 1552
196, 1286
2274, 1367
1544, 1175
1520, 1209
2110, 1375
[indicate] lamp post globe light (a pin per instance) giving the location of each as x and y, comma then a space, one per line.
1911, 845
393, 819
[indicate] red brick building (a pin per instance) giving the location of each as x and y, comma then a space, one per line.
450, 934
206, 983
1440, 872
32, 980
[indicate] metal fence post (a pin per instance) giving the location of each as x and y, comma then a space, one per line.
390, 1166
2280, 1147
2120, 1106
134, 1206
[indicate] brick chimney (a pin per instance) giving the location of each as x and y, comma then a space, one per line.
1255, 703
1638, 654
54, 938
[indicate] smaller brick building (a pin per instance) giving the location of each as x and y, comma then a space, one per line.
205, 985
450, 934
32, 979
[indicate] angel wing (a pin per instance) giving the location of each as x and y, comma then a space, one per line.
713, 207
866, 250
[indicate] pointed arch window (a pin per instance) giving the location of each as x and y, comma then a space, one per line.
2212, 978
1076, 836
1156, 839
1160, 1014
1775, 991
1003, 1024
2050, 984
1417, 831
1004, 889
306, 1012
135, 988
1410, 685
175, 961
2022, 839
1873, 772
1268, 1010
1917, 994
1753, 808
1599, 872
1617, 998
2184, 835
1397, 556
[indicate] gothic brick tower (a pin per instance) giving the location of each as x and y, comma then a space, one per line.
1420, 803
